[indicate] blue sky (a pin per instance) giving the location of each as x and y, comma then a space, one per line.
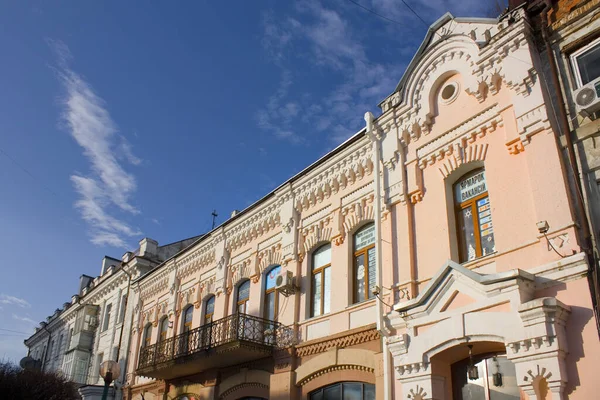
120, 120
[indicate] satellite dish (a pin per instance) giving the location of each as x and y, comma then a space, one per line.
28, 363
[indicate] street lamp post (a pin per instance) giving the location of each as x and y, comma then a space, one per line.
108, 371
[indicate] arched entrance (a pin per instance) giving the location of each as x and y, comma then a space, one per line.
489, 376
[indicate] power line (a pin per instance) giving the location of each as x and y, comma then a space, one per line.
386, 18
373, 12
10, 330
28, 173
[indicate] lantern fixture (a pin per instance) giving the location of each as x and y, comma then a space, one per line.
497, 376
472, 370
109, 370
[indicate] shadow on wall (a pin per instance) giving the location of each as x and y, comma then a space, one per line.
579, 318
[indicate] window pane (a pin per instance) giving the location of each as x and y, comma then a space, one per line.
589, 64
372, 272
369, 391
210, 305
322, 257
359, 274
244, 291
327, 289
316, 294
332, 392
316, 395
352, 391
270, 306
470, 187
365, 237
485, 226
242, 308
465, 228
271, 277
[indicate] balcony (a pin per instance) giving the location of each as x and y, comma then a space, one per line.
244, 338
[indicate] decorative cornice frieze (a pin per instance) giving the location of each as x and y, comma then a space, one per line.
338, 175
244, 385
351, 339
358, 212
343, 367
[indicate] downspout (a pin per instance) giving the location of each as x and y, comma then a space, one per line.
127, 351
124, 372
47, 348
372, 134
566, 131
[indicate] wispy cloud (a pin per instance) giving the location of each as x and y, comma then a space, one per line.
24, 319
325, 39
108, 189
12, 300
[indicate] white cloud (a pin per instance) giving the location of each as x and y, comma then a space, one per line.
109, 187
12, 300
332, 45
24, 319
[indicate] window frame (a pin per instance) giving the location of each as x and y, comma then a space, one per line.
574, 63
163, 333
315, 271
106, 320
185, 325
355, 254
267, 292
147, 340
243, 302
208, 315
123, 305
472, 204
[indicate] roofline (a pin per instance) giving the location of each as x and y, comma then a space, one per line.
351, 140
425, 43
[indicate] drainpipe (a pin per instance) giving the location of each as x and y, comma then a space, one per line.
127, 351
123, 328
47, 348
372, 134
566, 131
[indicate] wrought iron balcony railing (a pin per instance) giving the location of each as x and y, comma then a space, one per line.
242, 328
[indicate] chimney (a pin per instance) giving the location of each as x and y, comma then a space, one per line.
148, 247
84, 281
106, 263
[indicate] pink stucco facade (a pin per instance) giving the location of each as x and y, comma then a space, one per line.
526, 301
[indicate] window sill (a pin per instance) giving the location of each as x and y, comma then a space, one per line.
474, 262
352, 307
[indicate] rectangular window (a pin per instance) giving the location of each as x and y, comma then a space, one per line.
473, 217
99, 359
122, 309
106, 317
586, 63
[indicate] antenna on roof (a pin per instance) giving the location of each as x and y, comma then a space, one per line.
214, 215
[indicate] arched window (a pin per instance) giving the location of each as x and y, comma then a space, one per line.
271, 295
147, 335
164, 328
364, 263
473, 216
209, 309
243, 294
188, 314
321, 281
343, 391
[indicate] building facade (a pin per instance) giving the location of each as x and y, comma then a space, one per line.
439, 253
94, 326
434, 255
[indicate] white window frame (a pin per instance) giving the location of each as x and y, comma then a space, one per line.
575, 65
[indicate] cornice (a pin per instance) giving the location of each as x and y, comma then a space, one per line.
345, 339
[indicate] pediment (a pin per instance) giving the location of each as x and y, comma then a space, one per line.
458, 289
